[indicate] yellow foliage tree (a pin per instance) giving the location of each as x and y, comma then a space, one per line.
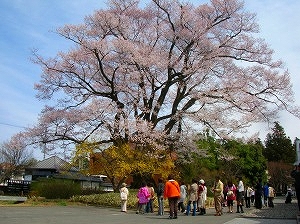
119, 163
81, 156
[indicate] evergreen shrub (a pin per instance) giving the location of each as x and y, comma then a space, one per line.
55, 188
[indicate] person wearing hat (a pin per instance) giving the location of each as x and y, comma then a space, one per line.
202, 196
124, 195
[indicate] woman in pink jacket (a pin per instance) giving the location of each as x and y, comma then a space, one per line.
143, 195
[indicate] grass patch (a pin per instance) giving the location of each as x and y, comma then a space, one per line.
40, 202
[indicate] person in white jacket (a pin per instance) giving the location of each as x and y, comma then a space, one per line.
124, 195
182, 199
240, 196
202, 196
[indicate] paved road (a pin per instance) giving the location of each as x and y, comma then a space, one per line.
91, 215
261, 221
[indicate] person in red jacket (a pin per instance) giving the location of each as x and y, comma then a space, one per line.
230, 191
172, 193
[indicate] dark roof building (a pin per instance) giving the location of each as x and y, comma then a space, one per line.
56, 163
50, 167
58, 168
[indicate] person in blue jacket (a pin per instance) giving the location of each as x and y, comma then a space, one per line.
266, 194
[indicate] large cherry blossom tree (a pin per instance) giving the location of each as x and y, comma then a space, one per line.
156, 74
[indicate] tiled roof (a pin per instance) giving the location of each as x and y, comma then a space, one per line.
56, 163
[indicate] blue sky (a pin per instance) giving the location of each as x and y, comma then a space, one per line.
27, 25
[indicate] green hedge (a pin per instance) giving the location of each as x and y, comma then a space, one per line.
113, 200
55, 188
109, 199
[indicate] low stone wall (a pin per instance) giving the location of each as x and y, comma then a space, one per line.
13, 198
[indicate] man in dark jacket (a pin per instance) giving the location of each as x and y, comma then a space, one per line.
258, 194
296, 175
160, 196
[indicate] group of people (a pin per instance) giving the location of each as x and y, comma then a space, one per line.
225, 196
192, 198
145, 195
196, 195
264, 195
177, 194
228, 195
169, 190
258, 196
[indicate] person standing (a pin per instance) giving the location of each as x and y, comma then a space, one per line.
218, 195
172, 193
143, 196
124, 195
149, 206
193, 197
271, 196
202, 196
248, 193
183, 192
230, 190
252, 197
160, 196
240, 196
266, 194
296, 175
258, 194
288, 196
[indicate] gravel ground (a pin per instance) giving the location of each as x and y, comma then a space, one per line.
280, 210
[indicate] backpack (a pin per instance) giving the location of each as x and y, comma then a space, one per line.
123, 195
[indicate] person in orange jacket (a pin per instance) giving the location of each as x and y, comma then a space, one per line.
172, 193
